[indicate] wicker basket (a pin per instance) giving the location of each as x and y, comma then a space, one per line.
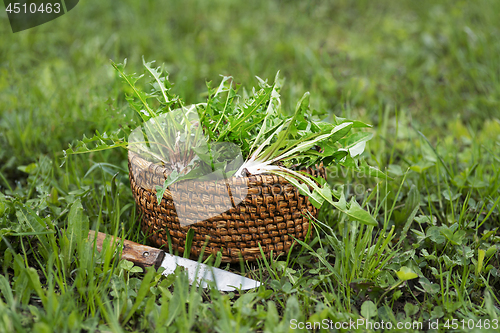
270, 212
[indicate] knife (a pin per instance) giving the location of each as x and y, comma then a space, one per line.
144, 256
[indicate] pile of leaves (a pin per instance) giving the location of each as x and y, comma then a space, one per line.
199, 140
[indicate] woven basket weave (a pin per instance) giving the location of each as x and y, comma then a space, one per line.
271, 211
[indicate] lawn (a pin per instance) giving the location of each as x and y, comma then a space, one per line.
425, 74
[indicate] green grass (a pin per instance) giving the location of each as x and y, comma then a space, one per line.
425, 74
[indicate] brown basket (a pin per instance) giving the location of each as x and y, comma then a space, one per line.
271, 211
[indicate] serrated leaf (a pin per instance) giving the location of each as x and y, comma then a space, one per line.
97, 143
157, 73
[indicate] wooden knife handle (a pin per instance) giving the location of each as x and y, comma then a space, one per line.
139, 254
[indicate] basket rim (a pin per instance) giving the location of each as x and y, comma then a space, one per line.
148, 165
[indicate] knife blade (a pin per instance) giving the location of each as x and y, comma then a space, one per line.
201, 274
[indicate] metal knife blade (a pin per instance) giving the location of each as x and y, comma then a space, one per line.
202, 274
